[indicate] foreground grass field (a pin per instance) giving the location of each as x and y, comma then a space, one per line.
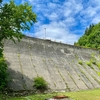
82, 95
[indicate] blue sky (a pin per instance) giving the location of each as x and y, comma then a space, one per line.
64, 20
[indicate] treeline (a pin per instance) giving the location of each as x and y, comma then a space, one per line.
91, 37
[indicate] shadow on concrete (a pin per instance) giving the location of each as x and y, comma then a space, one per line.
18, 81
17, 85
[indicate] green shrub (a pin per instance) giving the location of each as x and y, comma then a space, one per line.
98, 64
93, 59
93, 62
40, 84
88, 63
80, 62
98, 73
3, 74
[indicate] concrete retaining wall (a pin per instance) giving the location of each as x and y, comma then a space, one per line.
58, 63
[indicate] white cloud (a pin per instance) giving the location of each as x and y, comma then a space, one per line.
73, 6
64, 20
94, 3
89, 12
96, 19
55, 31
53, 16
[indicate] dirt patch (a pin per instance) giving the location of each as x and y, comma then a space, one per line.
60, 97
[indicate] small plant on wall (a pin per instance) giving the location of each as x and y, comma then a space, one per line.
98, 73
80, 62
40, 84
88, 63
93, 62
93, 59
98, 64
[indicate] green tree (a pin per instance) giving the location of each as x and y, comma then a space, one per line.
13, 20
91, 37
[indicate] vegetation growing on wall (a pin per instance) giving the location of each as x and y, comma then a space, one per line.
40, 84
91, 37
13, 19
80, 62
98, 64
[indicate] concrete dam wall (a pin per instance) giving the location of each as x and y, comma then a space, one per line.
59, 64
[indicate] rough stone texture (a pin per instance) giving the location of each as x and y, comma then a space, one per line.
57, 63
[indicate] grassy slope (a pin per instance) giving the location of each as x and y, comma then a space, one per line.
82, 95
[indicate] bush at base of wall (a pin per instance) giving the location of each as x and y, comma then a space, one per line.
40, 84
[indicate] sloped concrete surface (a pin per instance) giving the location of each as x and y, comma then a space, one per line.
57, 63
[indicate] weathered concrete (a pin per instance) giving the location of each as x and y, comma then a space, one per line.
56, 62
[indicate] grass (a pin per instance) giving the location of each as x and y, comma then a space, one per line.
81, 95
86, 95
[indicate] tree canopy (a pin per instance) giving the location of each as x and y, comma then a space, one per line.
91, 37
14, 19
